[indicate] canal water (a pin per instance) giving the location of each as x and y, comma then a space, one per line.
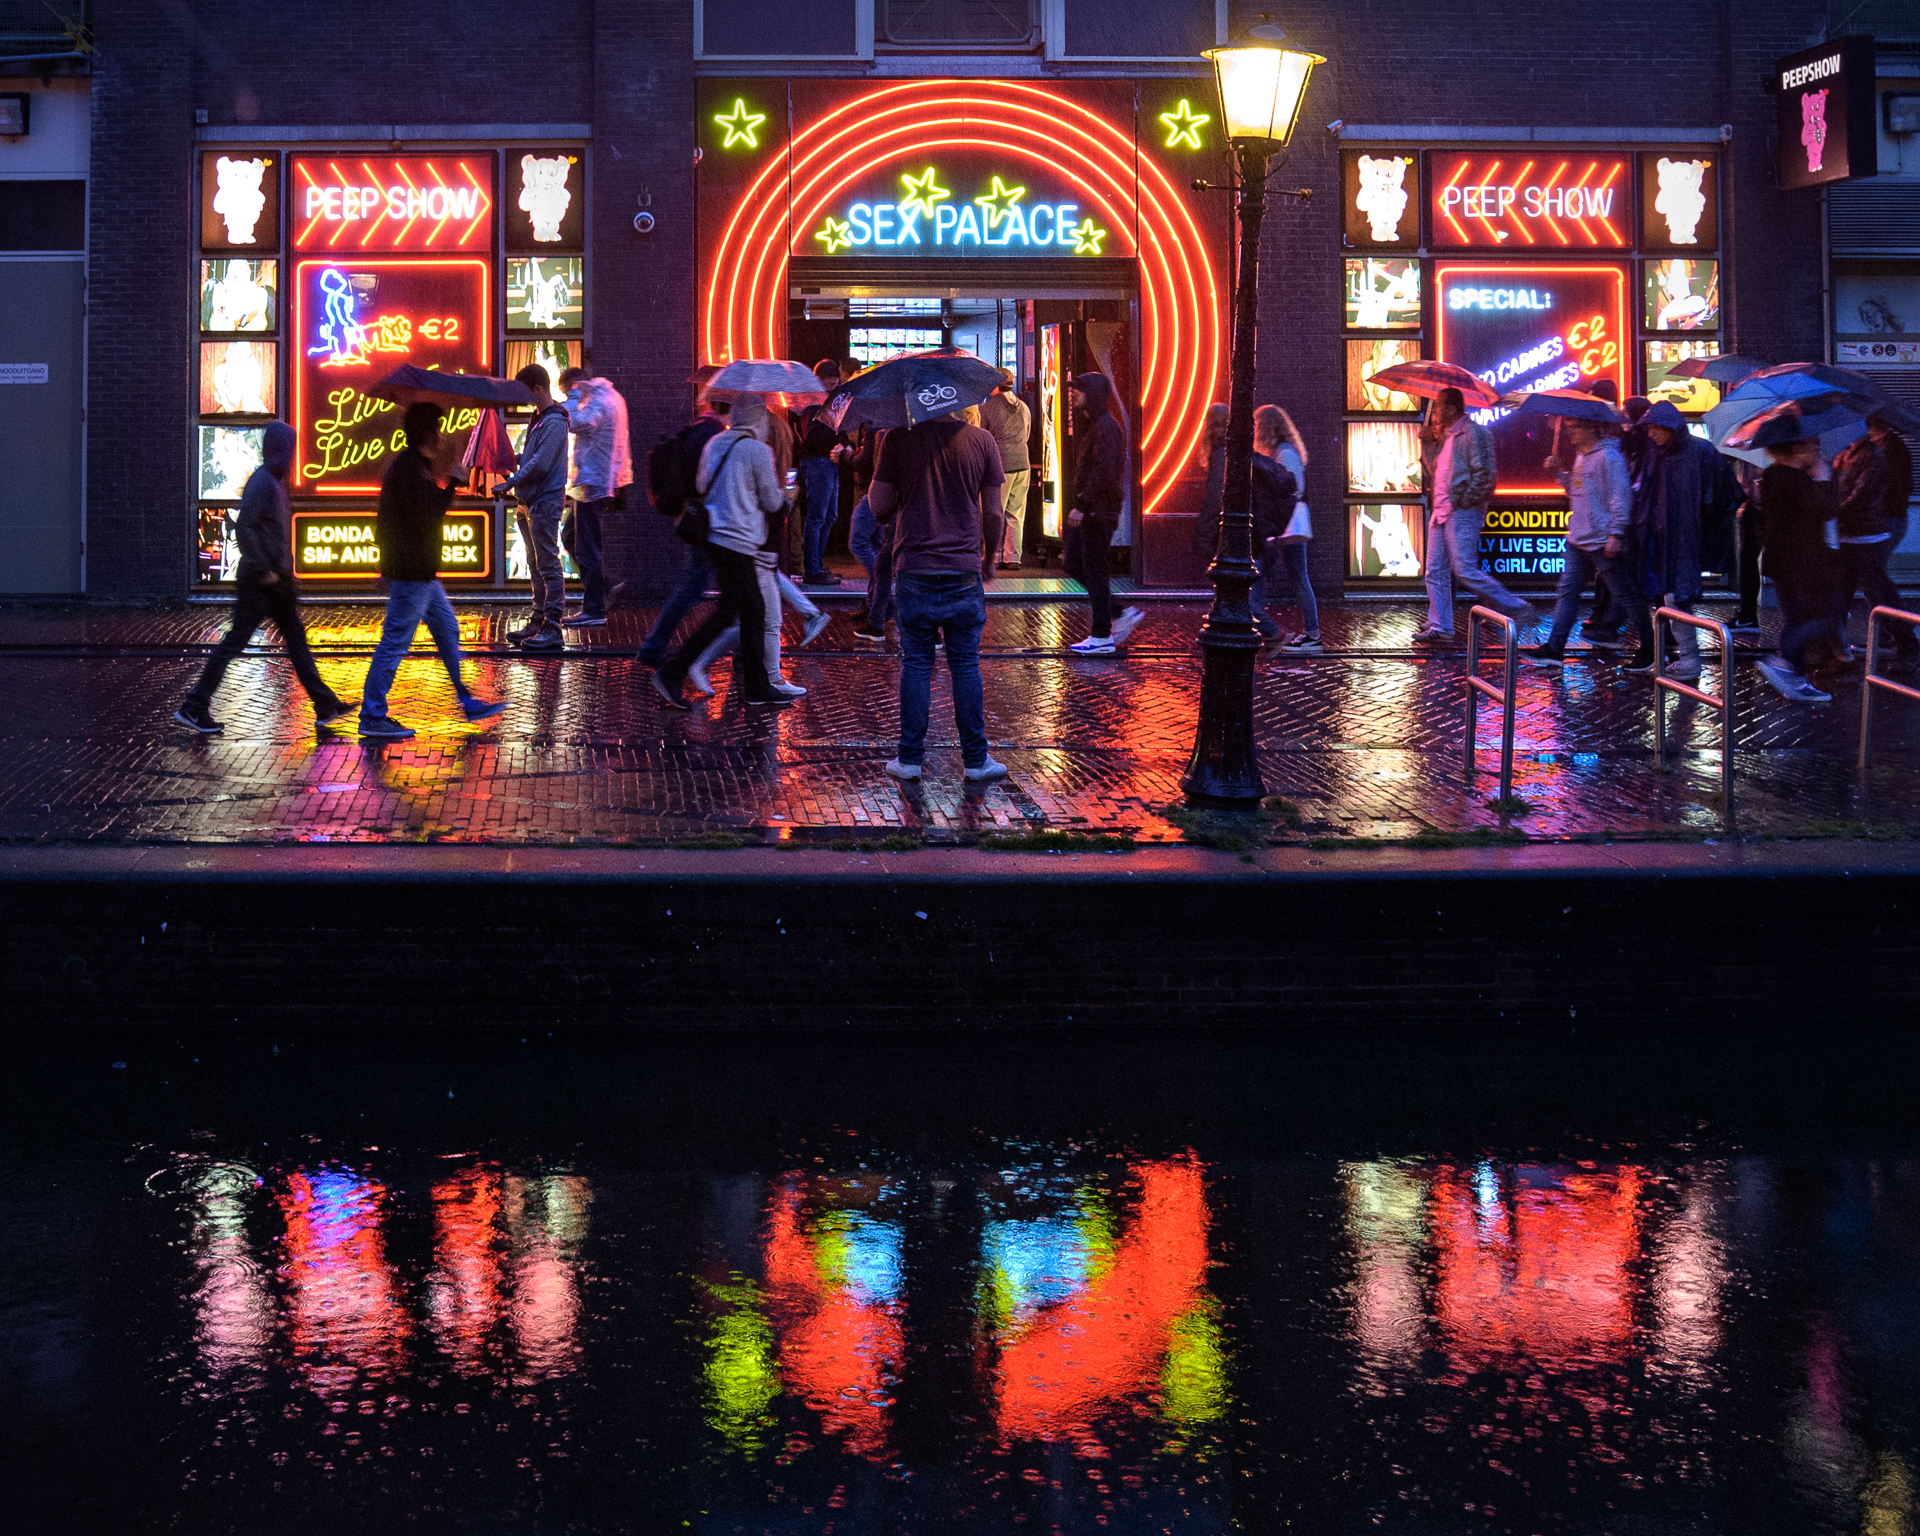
1035, 1284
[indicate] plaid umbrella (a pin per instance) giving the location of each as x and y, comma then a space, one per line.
1428, 376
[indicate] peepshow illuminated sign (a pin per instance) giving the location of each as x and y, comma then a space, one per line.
931, 212
1521, 200
240, 202
1679, 202
1379, 198
1533, 325
347, 544
354, 322
392, 203
1824, 129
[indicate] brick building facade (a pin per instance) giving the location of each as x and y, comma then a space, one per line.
169, 81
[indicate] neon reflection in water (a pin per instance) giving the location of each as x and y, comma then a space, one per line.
345, 1319
234, 1310
1086, 1312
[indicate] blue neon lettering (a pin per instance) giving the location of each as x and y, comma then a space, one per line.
1064, 222
944, 218
860, 221
1500, 298
909, 227
882, 218
1015, 223
1033, 224
968, 228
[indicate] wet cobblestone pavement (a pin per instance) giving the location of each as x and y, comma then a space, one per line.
1365, 741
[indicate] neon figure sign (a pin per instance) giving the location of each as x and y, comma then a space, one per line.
949, 225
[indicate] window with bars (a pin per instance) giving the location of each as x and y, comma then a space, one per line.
955, 23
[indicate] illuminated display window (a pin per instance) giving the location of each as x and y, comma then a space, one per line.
1387, 539
1681, 295
1530, 326
1383, 456
873, 344
216, 546
1524, 542
355, 321
344, 544
859, 308
239, 295
545, 293
227, 456
546, 201
428, 203
237, 378
554, 355
1379, 198
1679, 202
1382, 293
1529, 200
1365, 359
1691, 396
239, 201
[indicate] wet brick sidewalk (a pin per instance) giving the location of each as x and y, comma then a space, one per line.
1365, 741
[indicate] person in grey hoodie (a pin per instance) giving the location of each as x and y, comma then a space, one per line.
266, 591
539, 485
1599, 517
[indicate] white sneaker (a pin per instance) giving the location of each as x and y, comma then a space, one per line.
987, 772
1126, 624
697, 680
785, 689
814, 626
1093, 645
900, 770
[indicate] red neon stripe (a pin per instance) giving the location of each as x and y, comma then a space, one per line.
300, 240
401, 238
434, 171
486, 202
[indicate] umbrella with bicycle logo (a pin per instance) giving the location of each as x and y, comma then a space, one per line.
905, 391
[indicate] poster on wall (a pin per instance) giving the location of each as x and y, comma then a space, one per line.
239, 201
545, 293
1382, 293
1531, 326
1679, 202
1681, 295
546, 200
239, 295
440, 204
554, 356
216, 545
237, 378
1824, 128
341, 543
1383, 456
1387, 539
1529, 200
1365, 359
1524, 543
1690, 396
1379, 198
354, 321
228, 455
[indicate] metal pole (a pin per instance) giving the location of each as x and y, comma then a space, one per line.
1659, 693
1511, 682
1224, 768
1866, 687
1473, 693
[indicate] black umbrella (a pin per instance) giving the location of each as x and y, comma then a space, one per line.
905, 391
407, 384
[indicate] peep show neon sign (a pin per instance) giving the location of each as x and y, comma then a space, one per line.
928, 216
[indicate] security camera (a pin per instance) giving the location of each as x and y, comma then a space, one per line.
643, 222
1336, 125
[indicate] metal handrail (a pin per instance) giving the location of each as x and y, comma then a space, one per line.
1477, 685
1873, 679
1663, 685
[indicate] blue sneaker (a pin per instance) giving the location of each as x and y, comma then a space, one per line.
477, 709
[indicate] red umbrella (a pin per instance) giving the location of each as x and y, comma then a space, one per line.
489, 448
1428, 376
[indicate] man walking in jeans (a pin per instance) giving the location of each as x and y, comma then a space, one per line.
941, 483
1599, 517
412, 504
1460, 484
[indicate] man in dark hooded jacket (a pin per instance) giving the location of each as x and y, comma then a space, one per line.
266, 591
1682, 516
1099, 493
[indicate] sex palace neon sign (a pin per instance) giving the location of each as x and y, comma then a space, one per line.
927, 217
393, 203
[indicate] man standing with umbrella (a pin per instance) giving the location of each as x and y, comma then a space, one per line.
1461, 479
540, 486
412, 503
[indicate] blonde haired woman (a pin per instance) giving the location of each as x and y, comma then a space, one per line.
1282, 543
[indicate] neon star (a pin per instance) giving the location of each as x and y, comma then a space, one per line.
1184, 125
999, 202
834, 234
1086, 238
743, 127
922, 193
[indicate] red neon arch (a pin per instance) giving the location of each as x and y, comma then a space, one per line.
1180, 307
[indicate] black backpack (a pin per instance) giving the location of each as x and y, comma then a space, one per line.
693, 525
673, 464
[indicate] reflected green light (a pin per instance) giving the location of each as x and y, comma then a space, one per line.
1193, 1387
742, 1380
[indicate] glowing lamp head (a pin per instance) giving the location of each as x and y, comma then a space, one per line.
1261, 87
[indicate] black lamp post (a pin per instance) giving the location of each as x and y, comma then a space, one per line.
1261, 89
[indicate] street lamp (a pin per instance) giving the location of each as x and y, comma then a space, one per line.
1261, 89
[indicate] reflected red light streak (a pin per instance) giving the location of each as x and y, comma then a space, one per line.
466, 1298
344, 1318
1075, 1360
546, 1220
1541, 1268
839, 1353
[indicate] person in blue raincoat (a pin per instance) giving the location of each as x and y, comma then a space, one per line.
1683, 510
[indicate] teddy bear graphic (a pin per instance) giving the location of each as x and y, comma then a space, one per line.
543, 194
1813, 127
1383, 194
1680, 200
239, 200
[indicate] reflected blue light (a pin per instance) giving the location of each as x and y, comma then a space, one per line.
872, 1258
1037, 1261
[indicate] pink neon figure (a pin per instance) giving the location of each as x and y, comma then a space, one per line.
1813, 127
341, 336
